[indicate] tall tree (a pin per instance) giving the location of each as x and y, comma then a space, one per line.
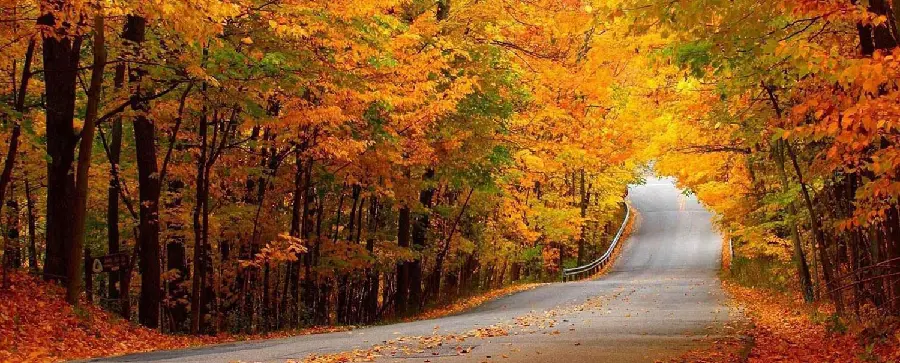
61, 55
79, 213
148, 177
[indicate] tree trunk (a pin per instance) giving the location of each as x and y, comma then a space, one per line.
305, 232
13, 250
61, 53
419, 237
799, 256
112, 206
884, 33
19, 106
293, 269
343, 308
32, 226
82, 176
819, 235
148, 183
176, 258
316, 295
402, 288
371, 298
435, 281
199, 242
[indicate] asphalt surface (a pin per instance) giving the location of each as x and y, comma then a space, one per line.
661, 299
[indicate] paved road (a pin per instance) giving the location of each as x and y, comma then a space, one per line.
661, 299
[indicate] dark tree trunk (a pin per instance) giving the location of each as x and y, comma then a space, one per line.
293, 269
300, 228
197, 281
343, 308
516, 271
819, 235
878, 37
61, 55
317, 298
884, 34
112, 207
799, 255
402, 288
371, 298
19, 106
434, 283
176, 258
148, 183
892, 254
13, 253
419, 237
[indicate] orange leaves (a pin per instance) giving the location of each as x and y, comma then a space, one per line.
284, 248
37, 325
474, 301
785, 330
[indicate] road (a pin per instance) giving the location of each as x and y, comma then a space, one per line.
661, 299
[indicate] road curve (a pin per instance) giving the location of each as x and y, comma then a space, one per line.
661, 299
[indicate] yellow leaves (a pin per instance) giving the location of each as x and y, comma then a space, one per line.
529, 160
168, 7
197, 72
290, 30
284, 248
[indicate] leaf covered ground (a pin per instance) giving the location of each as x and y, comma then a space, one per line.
37, 325
784, 329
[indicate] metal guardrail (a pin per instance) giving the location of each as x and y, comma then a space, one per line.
591, 268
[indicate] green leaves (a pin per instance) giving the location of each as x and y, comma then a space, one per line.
695, 56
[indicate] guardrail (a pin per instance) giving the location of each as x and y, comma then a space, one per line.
593, 267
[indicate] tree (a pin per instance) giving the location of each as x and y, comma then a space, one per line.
61, 55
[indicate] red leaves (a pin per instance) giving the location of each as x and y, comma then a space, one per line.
37, 325
786, 330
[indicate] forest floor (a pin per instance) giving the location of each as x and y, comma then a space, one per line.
784, 329
37, 325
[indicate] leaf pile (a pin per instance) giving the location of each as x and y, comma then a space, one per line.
37, 325
785, 329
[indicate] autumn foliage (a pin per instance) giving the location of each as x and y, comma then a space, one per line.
38, 325
267, 165
782, 120
781, 327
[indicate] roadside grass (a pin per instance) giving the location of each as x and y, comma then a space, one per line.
763, 272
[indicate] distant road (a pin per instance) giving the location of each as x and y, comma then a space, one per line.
661, 299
